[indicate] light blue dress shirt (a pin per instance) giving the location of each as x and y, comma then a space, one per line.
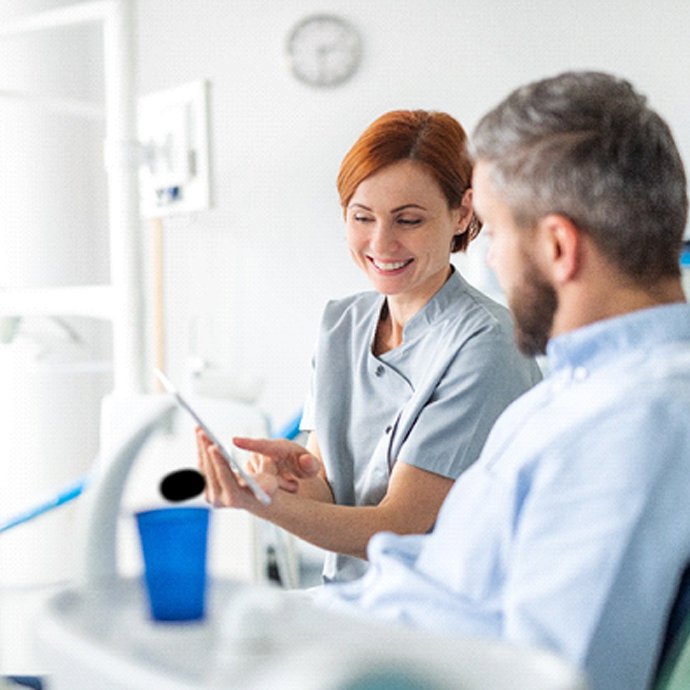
571, 530
430, 402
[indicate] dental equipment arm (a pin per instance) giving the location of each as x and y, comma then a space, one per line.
102, 501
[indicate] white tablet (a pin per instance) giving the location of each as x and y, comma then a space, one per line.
258, 492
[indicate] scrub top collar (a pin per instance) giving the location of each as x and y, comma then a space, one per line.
592, 345
435, 308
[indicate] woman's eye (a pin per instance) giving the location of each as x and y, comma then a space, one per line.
409, 221
362, 219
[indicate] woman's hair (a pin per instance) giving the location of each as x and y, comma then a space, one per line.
434, 139
587, 145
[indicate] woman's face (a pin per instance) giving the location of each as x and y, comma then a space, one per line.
400, 229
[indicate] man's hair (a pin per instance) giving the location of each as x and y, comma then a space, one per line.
586, 145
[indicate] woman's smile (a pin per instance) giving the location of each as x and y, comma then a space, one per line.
388, 267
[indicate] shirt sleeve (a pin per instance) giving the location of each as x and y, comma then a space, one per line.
482, 379
395, 590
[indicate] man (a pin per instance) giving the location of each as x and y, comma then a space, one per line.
572, 529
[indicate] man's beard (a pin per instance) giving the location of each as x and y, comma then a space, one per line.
533, 303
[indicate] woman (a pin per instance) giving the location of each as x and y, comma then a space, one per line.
408, 378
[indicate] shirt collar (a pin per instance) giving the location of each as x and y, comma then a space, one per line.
593, 344
437, 306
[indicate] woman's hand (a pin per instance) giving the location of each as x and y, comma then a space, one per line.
223, 487
262, 464
285, 460
410, 505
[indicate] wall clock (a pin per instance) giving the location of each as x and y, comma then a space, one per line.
323, 50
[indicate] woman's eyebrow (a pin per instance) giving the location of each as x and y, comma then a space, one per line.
397, 209
404, 206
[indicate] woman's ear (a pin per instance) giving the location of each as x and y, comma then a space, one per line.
466, 211
464, 231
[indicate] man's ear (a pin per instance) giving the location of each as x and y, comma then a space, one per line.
562, 243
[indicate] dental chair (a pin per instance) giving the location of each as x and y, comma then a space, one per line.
673, 667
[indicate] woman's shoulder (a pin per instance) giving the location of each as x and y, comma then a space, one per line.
352, 309
487, 328
474, 311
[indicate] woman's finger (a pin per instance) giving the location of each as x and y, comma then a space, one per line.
202, 453
212, 474
231, 492
290, 458
254, 463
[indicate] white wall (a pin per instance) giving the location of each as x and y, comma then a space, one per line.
247, 280
257, 269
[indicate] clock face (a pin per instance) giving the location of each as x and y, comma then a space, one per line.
324, 50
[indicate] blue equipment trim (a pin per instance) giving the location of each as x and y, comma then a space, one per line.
71, 491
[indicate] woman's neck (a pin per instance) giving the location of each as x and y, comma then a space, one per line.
389, 331
395, 314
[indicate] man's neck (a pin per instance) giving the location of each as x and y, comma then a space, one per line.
596, 298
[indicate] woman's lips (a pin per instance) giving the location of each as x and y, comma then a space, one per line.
389, 266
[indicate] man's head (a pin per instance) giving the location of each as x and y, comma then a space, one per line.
583, 149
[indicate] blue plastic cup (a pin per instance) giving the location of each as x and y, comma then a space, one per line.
174, 545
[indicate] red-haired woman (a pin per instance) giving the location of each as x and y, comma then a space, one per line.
407, 378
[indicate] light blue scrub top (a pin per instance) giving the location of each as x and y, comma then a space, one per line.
572, 529
429, 402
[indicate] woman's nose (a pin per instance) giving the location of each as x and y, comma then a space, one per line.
382, 238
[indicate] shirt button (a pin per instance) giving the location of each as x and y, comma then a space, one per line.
389, 429
379, 370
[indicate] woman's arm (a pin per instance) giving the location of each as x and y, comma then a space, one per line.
410, 505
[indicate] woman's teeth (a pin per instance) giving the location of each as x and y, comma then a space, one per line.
390, 266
